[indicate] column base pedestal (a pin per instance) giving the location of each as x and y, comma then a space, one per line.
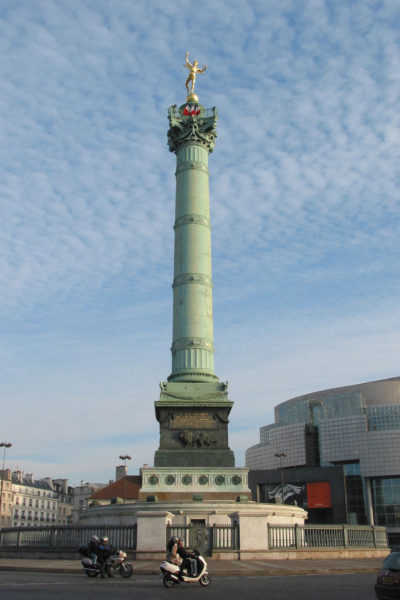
194, 484
193, 421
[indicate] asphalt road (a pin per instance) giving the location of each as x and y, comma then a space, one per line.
65, 586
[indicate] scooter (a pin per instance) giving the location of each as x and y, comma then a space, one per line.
170, 573
115, 564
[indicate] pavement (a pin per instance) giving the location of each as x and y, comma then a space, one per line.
254, 568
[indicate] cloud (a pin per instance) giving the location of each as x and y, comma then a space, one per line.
304, 199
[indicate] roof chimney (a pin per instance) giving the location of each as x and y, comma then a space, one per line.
17, 475
120, 472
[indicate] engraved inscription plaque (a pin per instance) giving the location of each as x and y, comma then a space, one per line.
192, 420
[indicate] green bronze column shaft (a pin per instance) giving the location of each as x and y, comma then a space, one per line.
192, 138
193, 408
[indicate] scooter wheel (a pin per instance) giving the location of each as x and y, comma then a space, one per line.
205, 580
91, 573
167, 581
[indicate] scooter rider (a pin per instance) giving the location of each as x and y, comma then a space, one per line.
172, 552
188, 562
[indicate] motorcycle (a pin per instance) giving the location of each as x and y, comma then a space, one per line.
170, 573
116, 563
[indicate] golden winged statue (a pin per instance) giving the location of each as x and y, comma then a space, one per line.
193, 70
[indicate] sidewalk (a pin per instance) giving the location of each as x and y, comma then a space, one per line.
215, 567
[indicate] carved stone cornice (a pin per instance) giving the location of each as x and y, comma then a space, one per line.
192, 343
192, 220
187, 278
192, 130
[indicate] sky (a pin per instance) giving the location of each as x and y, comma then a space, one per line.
304, 188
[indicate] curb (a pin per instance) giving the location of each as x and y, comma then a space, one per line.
218, 573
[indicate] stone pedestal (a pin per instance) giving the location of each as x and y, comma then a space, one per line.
151, 530
193, 421
194, 484
253, 526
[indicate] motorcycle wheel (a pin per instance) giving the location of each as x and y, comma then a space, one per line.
126, 570
205, 580
167, 581
91, 573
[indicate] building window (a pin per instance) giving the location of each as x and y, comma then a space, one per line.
386, 501
383, 417
355, 494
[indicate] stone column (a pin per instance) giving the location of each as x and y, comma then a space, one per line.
193, 408
369, 510
191, 138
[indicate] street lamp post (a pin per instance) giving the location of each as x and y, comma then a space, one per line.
4, 445
125, 457
281, 455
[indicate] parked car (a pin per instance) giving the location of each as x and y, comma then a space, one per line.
388, 579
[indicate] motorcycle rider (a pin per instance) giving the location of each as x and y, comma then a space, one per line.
93, 548
104, 551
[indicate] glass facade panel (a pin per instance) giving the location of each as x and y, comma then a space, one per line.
352, 469
386, 501
314, 410
265, 433
355, 499
383, 417
344, 404
294, 412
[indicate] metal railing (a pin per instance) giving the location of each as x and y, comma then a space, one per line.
218, 538
67, 537
173, 111
225, 537
299, 537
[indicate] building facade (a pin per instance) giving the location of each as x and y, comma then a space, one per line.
82, 497
6, 500
38, 503
30, 503
356, 427
321, 491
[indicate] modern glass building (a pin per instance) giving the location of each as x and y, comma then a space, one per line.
356, 426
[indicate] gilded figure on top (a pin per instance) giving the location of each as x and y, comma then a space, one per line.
194, 69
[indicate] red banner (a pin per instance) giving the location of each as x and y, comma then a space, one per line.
319, 494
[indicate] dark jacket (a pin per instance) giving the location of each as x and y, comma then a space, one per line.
104, 551
182, 552
93, 547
